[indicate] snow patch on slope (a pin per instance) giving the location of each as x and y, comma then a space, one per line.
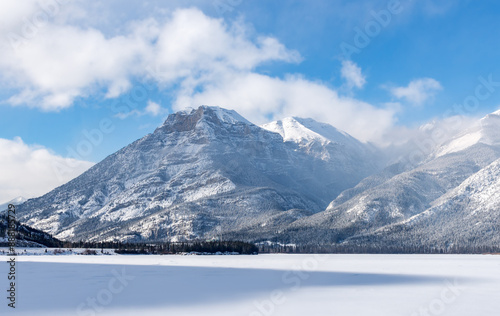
228, 116
486, 131
17, 201
301, 130
479, 193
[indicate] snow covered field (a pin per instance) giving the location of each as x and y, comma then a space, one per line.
347, 285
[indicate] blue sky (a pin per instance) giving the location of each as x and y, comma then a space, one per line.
70, 68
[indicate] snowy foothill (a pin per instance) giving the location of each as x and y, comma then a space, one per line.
276, 284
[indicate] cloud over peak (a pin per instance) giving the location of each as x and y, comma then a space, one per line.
201, 59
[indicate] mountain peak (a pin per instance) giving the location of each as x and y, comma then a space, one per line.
17, 201
188, 119
497, 112
301, 130
484, 131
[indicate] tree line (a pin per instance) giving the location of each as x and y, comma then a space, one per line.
376, 249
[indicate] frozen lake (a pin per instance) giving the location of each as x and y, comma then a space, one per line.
347, 285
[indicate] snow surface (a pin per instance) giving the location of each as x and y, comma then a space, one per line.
306, 130
229, 116
485, 131
246, 285
18, 200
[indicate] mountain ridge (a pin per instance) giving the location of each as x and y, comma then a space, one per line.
209, 172
200, 170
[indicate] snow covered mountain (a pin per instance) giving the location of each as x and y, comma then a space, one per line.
201, 173
17, 201
307, 131
388, 200
341, 152
485, 131
326, 142
25, 236
398, 194
468, 215
210, 172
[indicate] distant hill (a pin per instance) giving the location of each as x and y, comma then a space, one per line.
26, 236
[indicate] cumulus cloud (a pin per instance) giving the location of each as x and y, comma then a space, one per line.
259, 97
66, 62
203, 59
418, 91
31, 171
352, 74
152, 108
60, 62
14, 13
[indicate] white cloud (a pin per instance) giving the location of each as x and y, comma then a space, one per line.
14, 13
352, 74
124, 115
154, 108
31, 171
66, 62
258, 97
418, 91
206, 61
61, 62
192, 43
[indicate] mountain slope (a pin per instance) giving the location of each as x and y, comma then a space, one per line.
485, 131
468, 215
396, 199
17, 201
320, 139
200, 172
398, 193
25, 236
344, 155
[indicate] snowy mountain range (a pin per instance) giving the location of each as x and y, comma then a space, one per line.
209, 172
202, 172
447, 199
